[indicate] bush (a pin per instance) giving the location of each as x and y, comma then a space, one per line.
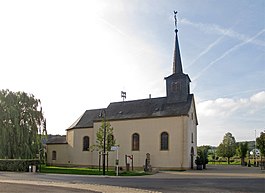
17, 165
198, 161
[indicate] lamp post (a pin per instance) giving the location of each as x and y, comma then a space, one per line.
103, 114
255, 159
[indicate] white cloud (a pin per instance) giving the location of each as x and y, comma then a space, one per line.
227, 106
238, 116
258, 98
219, 107
74, 57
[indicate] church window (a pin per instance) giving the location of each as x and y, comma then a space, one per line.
164, 141
175, 86
135, 142
191, 137
53, 155
85, 143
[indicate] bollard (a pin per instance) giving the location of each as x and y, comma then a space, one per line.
33, 169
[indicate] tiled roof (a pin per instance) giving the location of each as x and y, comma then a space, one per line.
87, 119
57, 139
136, 109
147, 108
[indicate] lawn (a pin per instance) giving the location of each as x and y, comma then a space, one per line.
224, 163
86, 171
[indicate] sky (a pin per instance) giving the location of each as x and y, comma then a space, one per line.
80, 55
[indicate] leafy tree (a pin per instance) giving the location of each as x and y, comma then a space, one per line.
21, 124
212, 153
202, 152
228, 147
110, 141
261, 143
242, 150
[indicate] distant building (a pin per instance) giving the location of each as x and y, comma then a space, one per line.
164, 127
252, 152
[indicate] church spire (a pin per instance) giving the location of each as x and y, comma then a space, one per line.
178, 83
177, 65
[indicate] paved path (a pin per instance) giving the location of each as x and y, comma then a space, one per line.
214, 179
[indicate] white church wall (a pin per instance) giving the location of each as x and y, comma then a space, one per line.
149, 130
61, 154
78, 156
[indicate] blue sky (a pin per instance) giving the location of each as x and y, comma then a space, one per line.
79, 55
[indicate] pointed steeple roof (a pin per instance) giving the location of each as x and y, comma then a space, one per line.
177, 65
178, 83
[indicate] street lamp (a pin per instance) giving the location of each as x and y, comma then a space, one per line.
255, 159
103, 114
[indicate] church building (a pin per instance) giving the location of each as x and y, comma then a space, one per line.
165, 128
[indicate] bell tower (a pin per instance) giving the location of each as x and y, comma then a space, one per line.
177, 84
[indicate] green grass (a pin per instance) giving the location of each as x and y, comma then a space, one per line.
86, 171
232, 162
224, 163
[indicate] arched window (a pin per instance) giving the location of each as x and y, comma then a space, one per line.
135, 142
164, 141
85, 143
191, 157
53, 155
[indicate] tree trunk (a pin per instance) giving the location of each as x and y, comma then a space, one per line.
228, 160
242, 161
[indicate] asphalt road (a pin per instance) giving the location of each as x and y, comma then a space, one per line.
156, 185
10, 187
215, 179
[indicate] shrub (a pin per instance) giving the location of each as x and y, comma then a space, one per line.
17, 165
198, 161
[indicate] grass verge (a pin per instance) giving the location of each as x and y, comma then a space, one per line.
86, 171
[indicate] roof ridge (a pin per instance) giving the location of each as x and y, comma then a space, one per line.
130, 101
95, 109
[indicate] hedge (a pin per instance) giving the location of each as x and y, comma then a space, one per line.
17, 165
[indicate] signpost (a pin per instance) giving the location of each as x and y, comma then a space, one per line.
116, 148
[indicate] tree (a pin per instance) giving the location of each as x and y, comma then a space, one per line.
228, 147
110, 140
202, 152
21, 124
242, 150
261, 143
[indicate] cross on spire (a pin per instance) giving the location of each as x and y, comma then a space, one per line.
175, 17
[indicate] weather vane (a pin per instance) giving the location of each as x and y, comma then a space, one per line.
175, 17
123, 95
